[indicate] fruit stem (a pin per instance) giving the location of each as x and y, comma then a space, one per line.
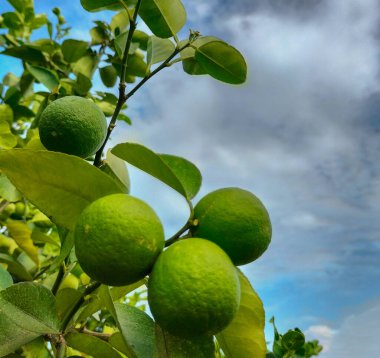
121, 100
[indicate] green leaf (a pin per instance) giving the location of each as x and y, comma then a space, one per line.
45, 76
15, 267
116, 168
168, 346
244, 337
60, 185
7, 190
11, 79
163, 17
86, 65
136, 66
141, 38
158, 50
73, 50
27, 310
108, 74
26, 53
7, 138
6, 113
93, 346
82, 84
21, 233
222, 62
117, 341
178, 173
66, 299
119, 22
98, 5
5, 279
293, 340
66, 247
137, 329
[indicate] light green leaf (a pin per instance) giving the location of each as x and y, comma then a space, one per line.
10, 79
27, 310
45, 76
7, 138
93, 346
178, 173
117, 341
55, 182
119, 22
116, 168
5, 279
6, 113
15, 267
98, 5
36, 348
137, 329
7, 190
244, 337
222, 62
73, 50
158, 50
168, 346
21, 233
85, 65
163, 17
136, 66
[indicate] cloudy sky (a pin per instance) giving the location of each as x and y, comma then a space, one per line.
302, 134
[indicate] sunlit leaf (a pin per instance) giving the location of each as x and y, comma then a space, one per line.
158, 50
45, 76
98, 5
73, 50
7, 138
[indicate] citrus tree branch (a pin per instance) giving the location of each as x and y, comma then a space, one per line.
122, 85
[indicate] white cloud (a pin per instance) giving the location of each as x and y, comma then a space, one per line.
323, 333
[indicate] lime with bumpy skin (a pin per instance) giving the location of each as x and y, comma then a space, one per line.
73, 125
117, 239
236, 220
193, 289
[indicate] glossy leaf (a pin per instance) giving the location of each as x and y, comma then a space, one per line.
7, 138
73, 50
62, 176
222, 62
98, 5
163, 17
45, 76
5, 279
178, 173
93, 346
137, 329
116, 168
31, 304
22, 234
244, 337
168, 346
15, 267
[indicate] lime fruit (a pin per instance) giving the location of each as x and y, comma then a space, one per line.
236, 220
117, 239
193, 289
73, 125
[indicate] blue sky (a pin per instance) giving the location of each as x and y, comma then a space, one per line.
302, 134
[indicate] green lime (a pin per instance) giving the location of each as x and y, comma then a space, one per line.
117, 239
236, 220
193, 289
73, 125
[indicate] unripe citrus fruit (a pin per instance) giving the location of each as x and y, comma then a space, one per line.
73, 125
70, 281
117, 239
236, 220
193, 289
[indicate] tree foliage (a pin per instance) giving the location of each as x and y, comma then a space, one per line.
48, 305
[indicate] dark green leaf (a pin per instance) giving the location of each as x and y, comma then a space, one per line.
136, 66
82, 84
61, 176
108, 74
293, 340
66, 298
73, 50
169, 169
93, 346
26, 53
141, 38
222, 62
98, 5
5, 279
168, 346
244, 337
33, 306
163, 17
45, 76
